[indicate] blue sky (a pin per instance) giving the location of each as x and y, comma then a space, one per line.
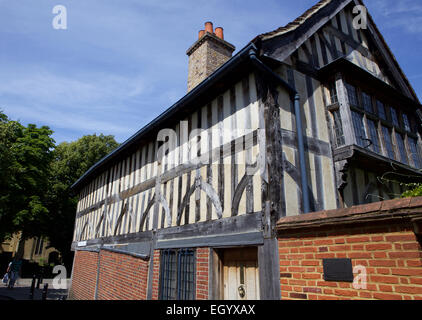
121, 63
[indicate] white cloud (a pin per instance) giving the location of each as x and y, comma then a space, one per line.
46, 87
120, 63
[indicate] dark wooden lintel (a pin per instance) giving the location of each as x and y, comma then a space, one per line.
244, 224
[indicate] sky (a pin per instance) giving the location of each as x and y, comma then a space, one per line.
120, 64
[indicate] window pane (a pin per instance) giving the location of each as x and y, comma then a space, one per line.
338, 128
367, 102
168, 275
381, 110
401, 148
352, 94
333, 93
394, 117
177, 275
359, 129
406, 122
186, 283
388, 144
415, 153
374, 136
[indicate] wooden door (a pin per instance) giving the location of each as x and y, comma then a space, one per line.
240, 274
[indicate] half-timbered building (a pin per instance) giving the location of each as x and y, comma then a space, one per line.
316, 115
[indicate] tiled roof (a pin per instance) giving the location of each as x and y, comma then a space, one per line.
297, 22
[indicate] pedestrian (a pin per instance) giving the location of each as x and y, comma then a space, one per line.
6, 277
13, 270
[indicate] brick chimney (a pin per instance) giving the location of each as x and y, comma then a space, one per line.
207, 54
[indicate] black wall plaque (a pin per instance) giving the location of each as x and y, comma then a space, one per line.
340, 270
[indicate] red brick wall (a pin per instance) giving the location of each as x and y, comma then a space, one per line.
389, 251
156, 275
202, 273
84, 276
122, 277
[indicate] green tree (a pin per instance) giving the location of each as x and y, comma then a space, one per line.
35, 181
415, 190
26, 156
9, 132
71, 161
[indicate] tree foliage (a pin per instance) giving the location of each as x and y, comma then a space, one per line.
71, 160
26, 155
414, 190
35, 181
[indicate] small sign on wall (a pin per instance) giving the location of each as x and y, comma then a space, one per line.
339, 270
82, 244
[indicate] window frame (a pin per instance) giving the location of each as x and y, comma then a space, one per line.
375, 144
388, 152
412, 153
355, 97
367, 98
332, 88
406, 122
180, 275
379, 102
393, 110
401, 148
362, 128
340, 139
388, 116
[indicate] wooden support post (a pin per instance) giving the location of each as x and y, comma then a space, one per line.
97, 278
151, 266
273, 195
269, 270
272, 189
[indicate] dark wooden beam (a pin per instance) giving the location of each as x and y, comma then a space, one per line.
269, 270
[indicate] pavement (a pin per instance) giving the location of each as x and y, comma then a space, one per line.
22, 288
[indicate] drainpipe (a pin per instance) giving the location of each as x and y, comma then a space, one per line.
302, 159
294, 95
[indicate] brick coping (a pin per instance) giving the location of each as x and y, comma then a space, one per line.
406, 208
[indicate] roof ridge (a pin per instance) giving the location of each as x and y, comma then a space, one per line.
297, 22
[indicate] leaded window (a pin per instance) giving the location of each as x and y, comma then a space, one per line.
401, 148
168, 275
381, 128
338, 128
388, 143
333, 93
415, 153
381, 110
406, 122
177, 274
374, 136
367, 103
359, 129
352, 94
394, 117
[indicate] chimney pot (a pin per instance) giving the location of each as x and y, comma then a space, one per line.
209, 27
219, 33
207, 54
